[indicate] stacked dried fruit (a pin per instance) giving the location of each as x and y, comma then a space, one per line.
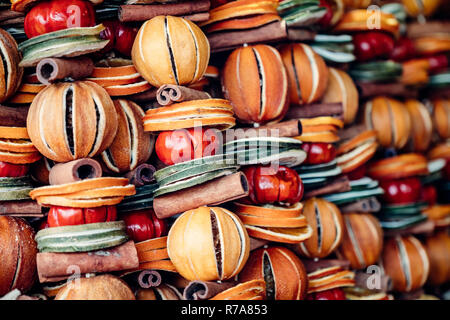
306, 197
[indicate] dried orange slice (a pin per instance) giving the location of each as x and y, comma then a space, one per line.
272, 222
14, 133
362, 155
115, 191
325, 137
152, 244
335, 284
87, 184
165, 265
47, 201
284, 235
17, 145
439, 214
153, 255
22, 98
243, 291
220, 123
216, 113
322, 121
116, 81
19, 158
211, 72
402, 166
244, 23
31, 88
110, 72
127, 90
319, 128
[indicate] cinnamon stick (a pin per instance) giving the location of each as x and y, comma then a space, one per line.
271, 32
75, 170
363, 280
197, 17
153, 277
52, 69
143, 12
214, 192
202, 290
369, 89
316, 110
27, 208
169, 93
364, 205
341, 184
417, 30
142, 175
298, 34
13, 117
176, 280
52, 266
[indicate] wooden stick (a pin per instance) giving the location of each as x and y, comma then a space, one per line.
257, 243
